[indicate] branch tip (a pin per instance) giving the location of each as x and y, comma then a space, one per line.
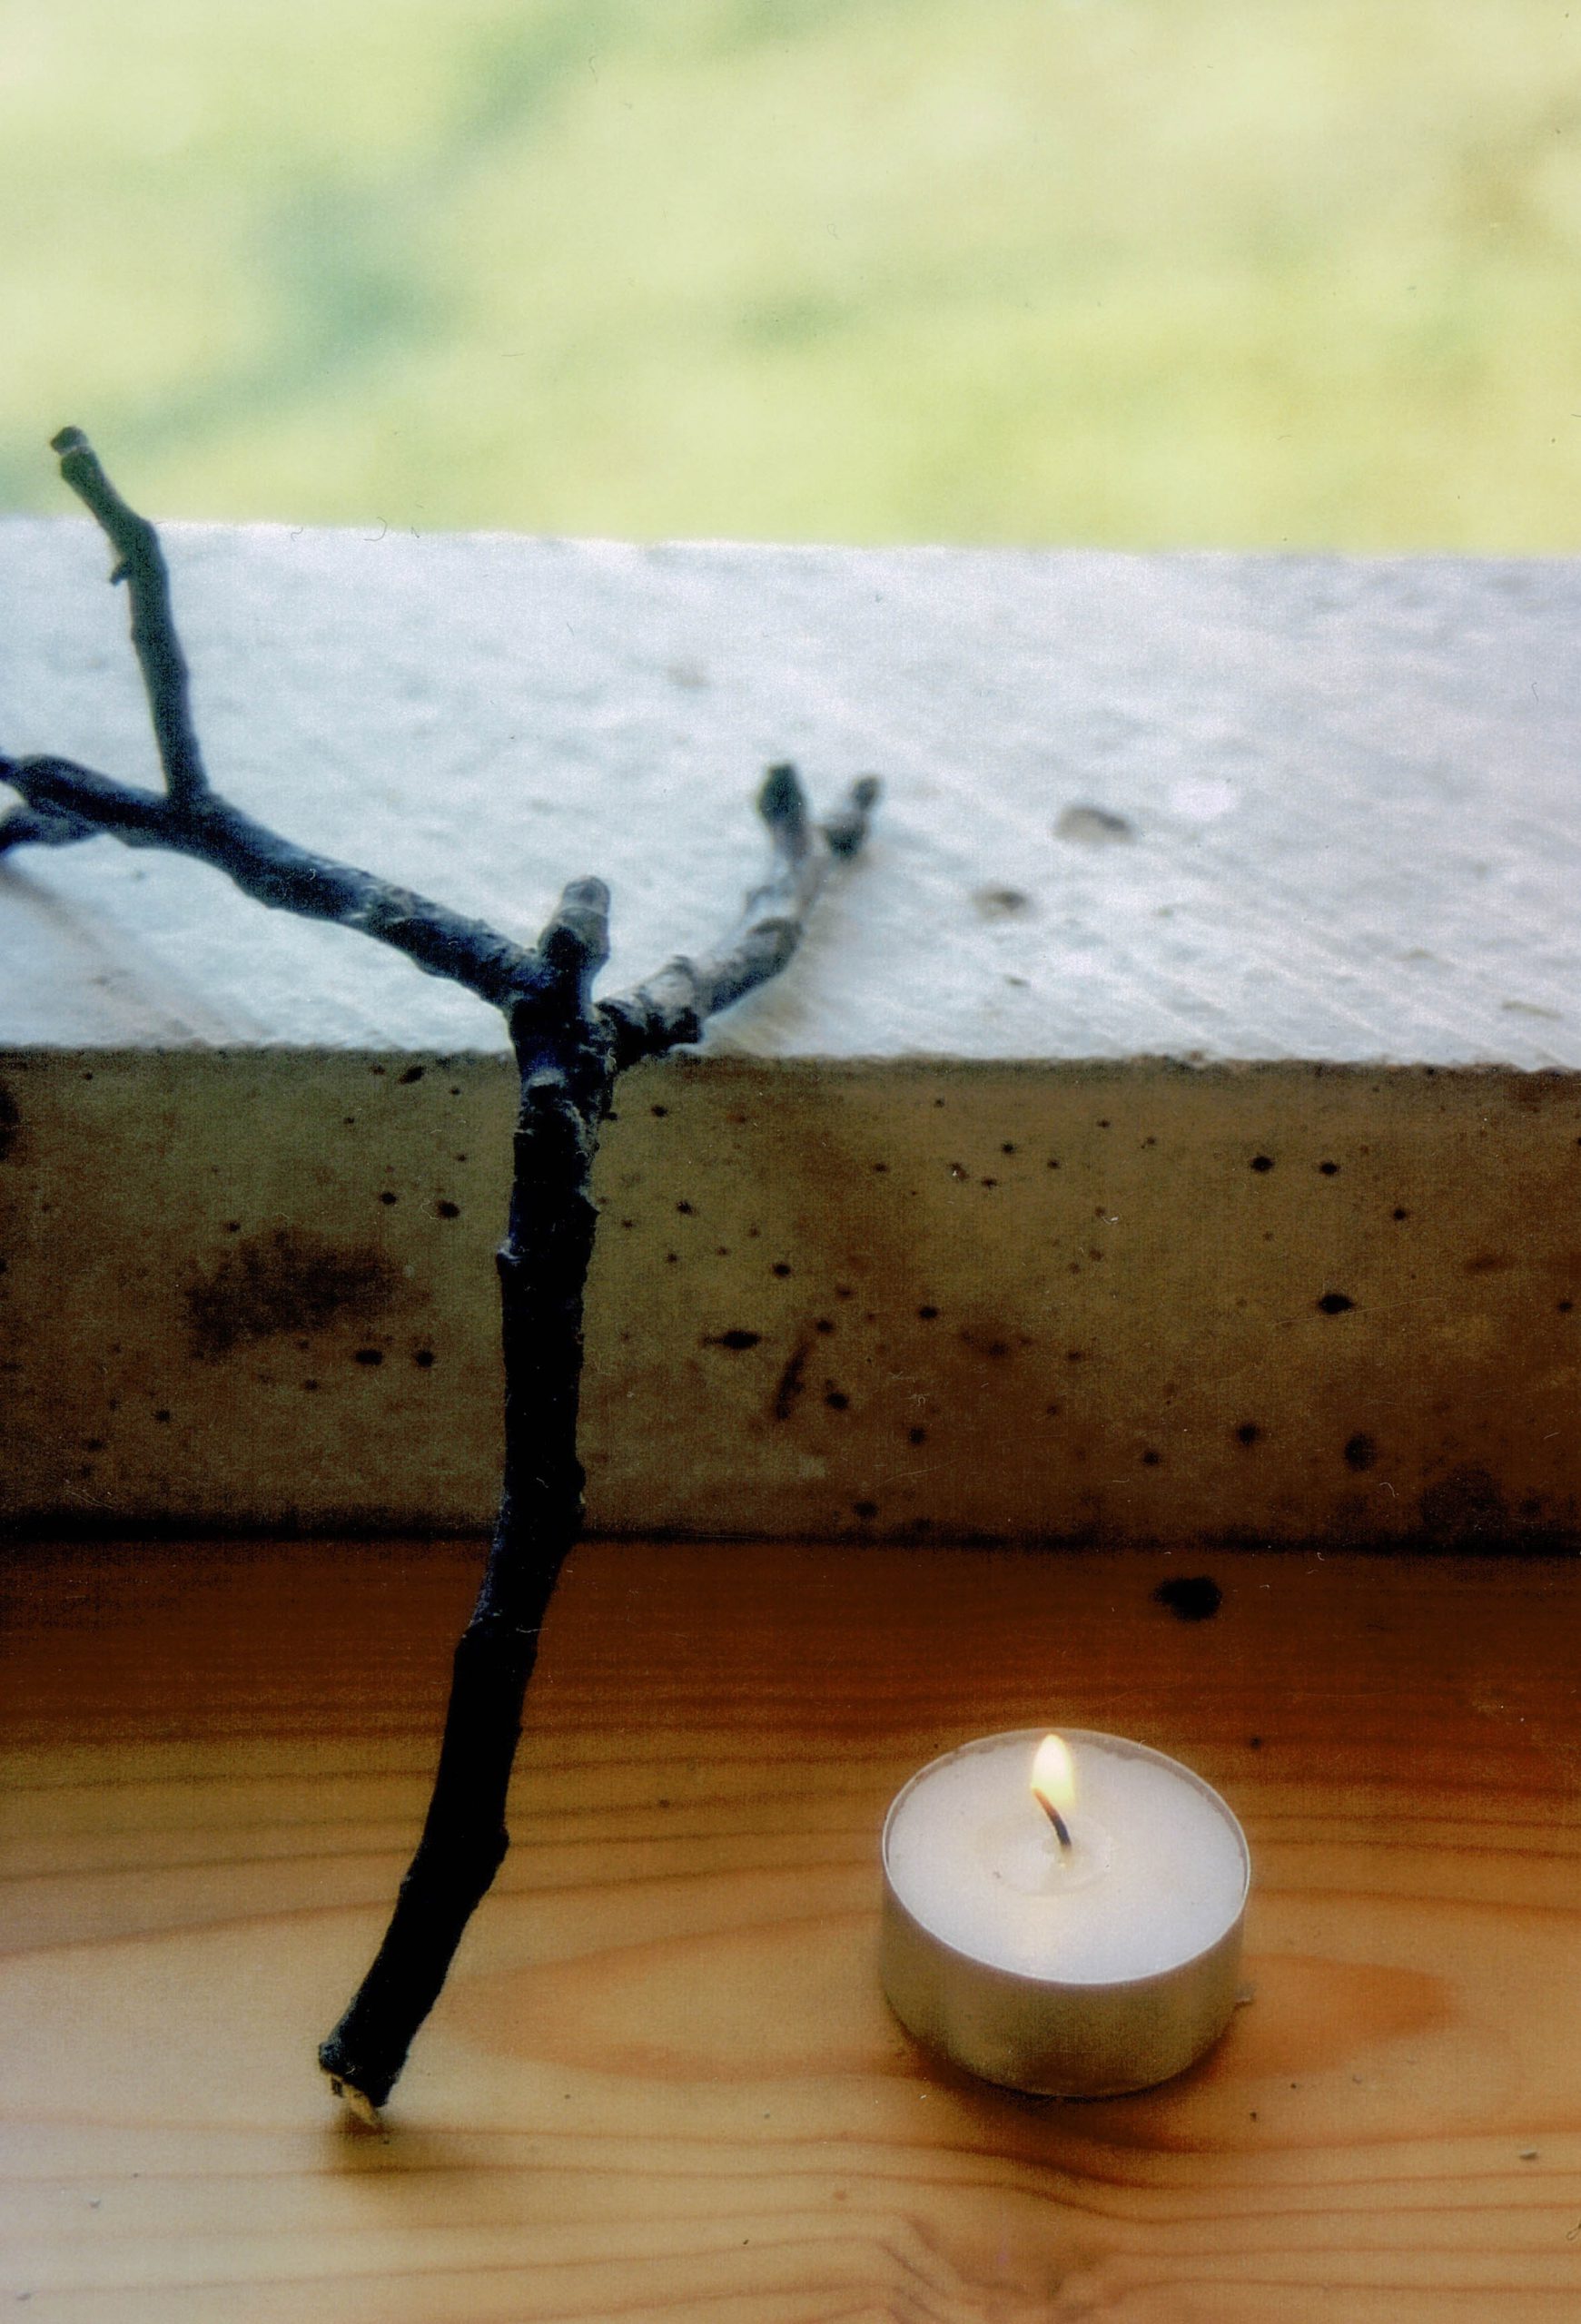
846, 829
782, 799
574, 943
361, 2107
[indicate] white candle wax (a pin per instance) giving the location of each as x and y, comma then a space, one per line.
1156, 1872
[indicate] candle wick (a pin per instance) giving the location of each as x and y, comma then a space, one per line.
1062, 1829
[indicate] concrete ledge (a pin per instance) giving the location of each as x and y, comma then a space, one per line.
1174, 1129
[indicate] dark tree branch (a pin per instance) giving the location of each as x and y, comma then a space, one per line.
568, 1050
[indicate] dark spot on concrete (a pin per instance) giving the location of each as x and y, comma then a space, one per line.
1248, 1432
1001, 904
735, 1338
10, 1125
413, 1073
287, 1281
447, 1210
369, 1357
1335, 1303
837, 1400
1190, 1598
1091, 826
916, 1436
1467, 1501
1488, 1263
780, 1267
422, 1357
791, 1383
1260, 1162
1361, 1451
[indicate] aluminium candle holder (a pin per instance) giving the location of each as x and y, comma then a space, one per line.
1081, 2036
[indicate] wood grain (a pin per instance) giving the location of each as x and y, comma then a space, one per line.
662, 2084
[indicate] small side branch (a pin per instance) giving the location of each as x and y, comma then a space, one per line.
67, 803
141, 564
672, 1008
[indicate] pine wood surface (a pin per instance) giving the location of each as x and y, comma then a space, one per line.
662, 2084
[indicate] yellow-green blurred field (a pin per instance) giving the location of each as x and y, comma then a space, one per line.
1142, 272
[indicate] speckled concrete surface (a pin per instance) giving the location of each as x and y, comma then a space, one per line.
1111, 1302
1173, 1130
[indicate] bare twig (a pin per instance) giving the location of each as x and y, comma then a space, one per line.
568, 1050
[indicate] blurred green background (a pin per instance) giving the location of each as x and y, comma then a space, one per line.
1141, 272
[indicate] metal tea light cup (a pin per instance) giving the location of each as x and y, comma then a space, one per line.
1053, 2037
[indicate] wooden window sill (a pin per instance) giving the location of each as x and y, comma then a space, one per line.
662, 2080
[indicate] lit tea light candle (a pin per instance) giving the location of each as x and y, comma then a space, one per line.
1062, 1913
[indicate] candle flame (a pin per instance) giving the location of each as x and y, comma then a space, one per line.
1053, 1776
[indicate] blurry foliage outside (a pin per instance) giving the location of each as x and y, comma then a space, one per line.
1142, 272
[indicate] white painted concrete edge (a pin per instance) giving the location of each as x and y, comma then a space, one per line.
1207, 807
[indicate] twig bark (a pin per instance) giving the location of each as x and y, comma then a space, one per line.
569, 1048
